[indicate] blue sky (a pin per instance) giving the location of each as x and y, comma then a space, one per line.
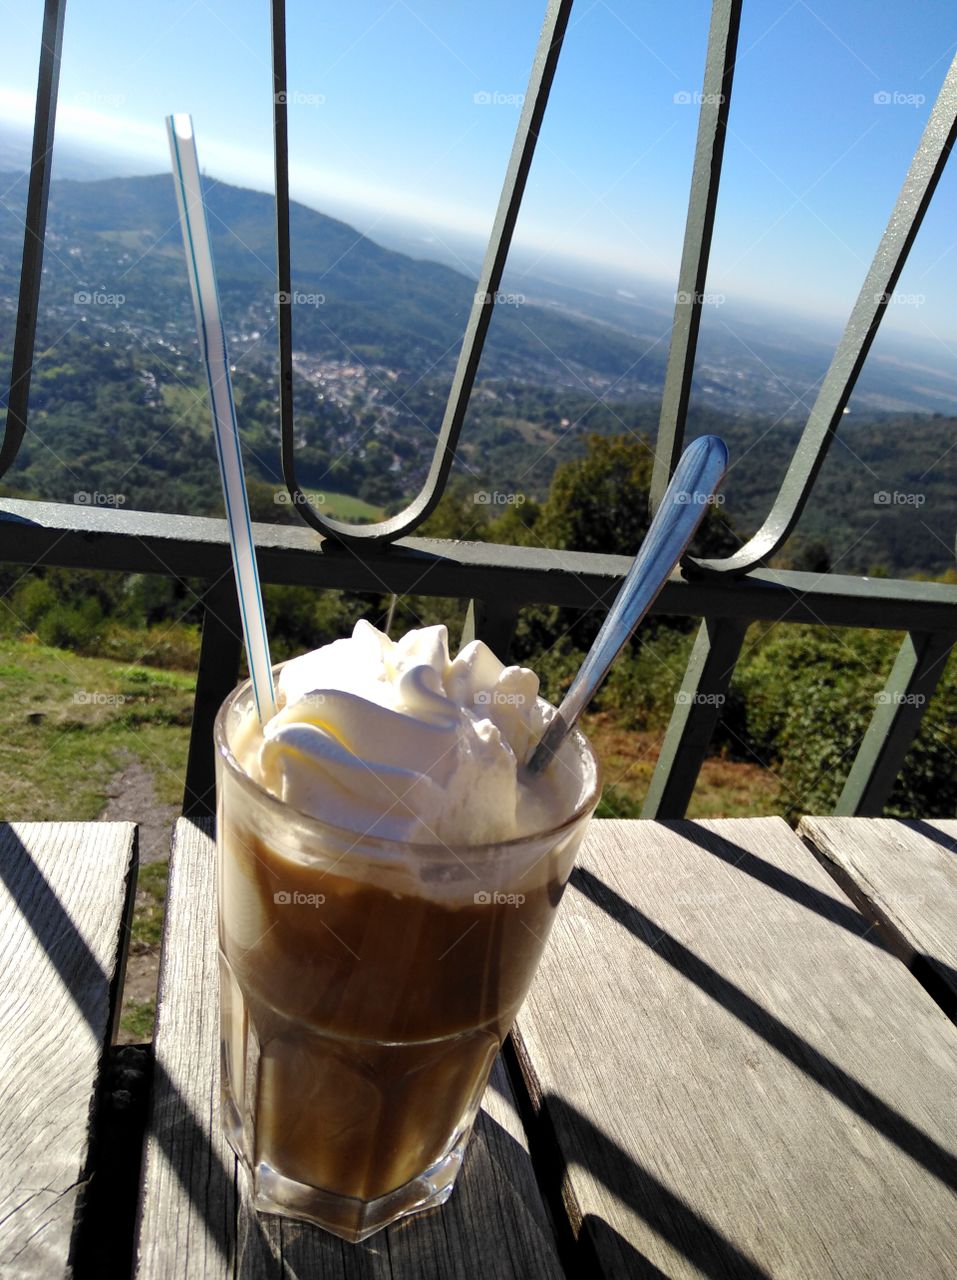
385, 124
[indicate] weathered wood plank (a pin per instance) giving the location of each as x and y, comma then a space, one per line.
740, 1081
187, 1223
66, 894
196, 1217
903, 876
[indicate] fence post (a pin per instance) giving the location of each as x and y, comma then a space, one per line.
218, 673
910, 686
698, 705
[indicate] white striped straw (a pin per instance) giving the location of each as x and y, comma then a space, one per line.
212, 341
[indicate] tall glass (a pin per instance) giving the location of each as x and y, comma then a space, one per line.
366, 988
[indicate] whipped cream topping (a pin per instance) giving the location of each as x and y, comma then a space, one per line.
397, 740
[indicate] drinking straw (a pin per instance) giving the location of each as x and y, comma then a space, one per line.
212, 341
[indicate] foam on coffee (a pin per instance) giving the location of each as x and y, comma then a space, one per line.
397, 740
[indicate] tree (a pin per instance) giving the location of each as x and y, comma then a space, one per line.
461, 513
596, 503
807, 556
600, 502
805, 698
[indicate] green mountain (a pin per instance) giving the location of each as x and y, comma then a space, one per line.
119, 238
118, 407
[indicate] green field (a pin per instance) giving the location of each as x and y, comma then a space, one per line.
344, 506
69, 723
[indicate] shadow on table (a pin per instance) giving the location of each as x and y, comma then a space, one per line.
88, 984
930, 833
670, 1217
909, 1137
865, 919
938, 979
494, 1227
591, 1245
489, 1229
86, 981
832, 908
425, 1242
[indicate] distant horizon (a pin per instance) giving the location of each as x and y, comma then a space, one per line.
402, 234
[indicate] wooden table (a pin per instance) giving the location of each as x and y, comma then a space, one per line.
727, 1066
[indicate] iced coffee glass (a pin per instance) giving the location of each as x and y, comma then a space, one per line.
366, 988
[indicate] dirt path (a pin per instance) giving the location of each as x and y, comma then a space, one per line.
131, 797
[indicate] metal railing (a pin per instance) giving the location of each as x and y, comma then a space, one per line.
725, 594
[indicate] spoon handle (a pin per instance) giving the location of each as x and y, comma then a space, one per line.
682, 509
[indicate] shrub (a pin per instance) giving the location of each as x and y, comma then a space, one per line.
32, 600
807, 697
71, 626
615, 803
644, 679
173, 647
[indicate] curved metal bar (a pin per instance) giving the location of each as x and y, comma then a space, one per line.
540, 81
17, 399
699, 229
919, 185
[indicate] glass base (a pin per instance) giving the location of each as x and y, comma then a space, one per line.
349, 1219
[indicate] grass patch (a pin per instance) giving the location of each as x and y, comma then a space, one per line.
345, 506
150, 906
137, 1020
68, 723
725, 788
615, 803
735, 789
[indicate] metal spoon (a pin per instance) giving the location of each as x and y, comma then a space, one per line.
682, 509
